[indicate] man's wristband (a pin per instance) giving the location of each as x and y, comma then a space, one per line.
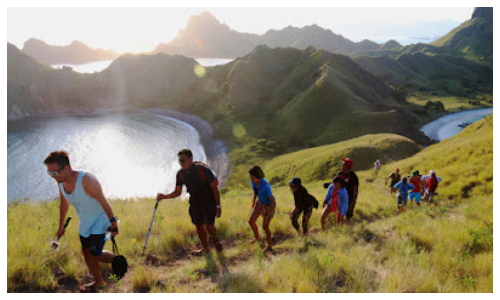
113, 219
218, 206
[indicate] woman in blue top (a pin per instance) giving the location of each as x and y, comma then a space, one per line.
265, 207
403, 188
336, 201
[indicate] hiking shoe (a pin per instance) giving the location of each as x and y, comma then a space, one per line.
90, 288
198, 252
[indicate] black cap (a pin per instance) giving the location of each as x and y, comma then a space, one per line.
295, 181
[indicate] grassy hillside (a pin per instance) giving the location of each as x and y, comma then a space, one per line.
444, 247
322, 162
432, 74
295, 97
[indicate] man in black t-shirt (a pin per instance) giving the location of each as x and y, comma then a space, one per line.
395, 178
204, 201
351, 183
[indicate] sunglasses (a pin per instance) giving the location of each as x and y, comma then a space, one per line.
183, 161
292, 186
55, 173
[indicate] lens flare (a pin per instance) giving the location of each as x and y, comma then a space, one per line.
239, 130
200, 71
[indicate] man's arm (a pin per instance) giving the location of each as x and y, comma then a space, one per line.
387, 178
355, 194
328, 195
93, 189
215, 191
176, 193
63, 210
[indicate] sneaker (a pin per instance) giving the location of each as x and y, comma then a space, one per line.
198, 252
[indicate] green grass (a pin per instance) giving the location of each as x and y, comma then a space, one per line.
444, 247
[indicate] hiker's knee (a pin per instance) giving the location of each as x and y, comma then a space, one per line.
200, 228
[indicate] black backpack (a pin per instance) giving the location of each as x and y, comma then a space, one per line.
313, 200
119, 263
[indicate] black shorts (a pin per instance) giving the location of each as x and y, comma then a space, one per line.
95, 242
202, 213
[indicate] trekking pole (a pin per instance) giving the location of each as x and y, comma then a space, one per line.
150, 225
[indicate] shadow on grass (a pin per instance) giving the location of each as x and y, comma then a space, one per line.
238, 283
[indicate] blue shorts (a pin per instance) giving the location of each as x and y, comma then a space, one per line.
416, 196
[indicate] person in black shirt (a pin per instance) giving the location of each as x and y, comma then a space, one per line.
351, 185
304, 203
204, 201
395, 178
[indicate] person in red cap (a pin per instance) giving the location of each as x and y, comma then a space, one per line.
351, 184
395, 178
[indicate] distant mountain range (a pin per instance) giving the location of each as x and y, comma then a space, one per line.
293, 97
75, 53
205, 37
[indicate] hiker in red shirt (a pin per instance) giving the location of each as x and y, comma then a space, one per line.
416, 193
431, 184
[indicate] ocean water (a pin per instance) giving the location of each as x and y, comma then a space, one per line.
132, 155
92, 67
447, 126
98, 66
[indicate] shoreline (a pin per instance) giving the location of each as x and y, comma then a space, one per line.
216, 150
433, 128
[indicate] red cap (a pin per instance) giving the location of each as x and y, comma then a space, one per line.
349, 162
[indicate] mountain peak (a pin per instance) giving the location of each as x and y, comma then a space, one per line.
203, 20
34, 41
483, 12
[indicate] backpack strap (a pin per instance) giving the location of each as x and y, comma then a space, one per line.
115, 246
200, 169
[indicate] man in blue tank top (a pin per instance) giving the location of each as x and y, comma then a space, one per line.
84, 192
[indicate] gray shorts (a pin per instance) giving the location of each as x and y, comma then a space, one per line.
402, 199
428, 195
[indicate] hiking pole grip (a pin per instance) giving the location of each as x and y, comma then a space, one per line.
65, 225
150, 225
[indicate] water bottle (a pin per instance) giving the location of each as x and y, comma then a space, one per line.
109, 234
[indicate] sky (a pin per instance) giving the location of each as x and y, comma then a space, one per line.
139, 29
